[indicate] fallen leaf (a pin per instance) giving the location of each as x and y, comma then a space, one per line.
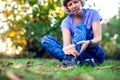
9, 63
81, 77
62, 67
13, 76
103, 67
2, 69
17, 66
1, 62
29, 64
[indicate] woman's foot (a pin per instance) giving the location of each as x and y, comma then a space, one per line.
68, 62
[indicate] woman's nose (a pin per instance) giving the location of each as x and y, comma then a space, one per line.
73, 5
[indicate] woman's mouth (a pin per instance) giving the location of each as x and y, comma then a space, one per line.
75, 10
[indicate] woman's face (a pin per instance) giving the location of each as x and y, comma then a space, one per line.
74, 6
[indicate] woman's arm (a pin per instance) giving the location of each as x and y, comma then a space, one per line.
68, 48
97, 37
66, 37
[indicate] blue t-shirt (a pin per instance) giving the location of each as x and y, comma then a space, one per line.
89, 16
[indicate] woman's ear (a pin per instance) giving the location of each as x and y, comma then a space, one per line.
67, 9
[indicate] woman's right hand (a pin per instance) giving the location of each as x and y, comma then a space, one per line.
70, 50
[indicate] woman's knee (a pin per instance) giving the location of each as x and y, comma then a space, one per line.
44, 39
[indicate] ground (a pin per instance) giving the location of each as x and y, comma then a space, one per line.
47, 69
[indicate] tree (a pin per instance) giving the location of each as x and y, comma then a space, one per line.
29, 20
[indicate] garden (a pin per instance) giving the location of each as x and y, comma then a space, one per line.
22, 25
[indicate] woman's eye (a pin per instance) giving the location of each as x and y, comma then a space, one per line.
76, 1
69, 4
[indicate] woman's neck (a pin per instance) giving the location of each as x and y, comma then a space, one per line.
78, 18
79, 15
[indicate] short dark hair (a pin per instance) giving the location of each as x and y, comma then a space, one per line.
64, 2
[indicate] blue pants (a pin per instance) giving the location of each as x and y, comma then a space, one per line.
54, 47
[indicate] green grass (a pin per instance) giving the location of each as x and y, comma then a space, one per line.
46, 69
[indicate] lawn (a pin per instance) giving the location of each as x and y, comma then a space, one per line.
46, 69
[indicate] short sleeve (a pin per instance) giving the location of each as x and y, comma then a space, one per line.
65, 23
96, 16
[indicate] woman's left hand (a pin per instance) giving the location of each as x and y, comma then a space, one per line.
84, 45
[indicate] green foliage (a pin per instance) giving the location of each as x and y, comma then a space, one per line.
111, 39
30, 20
32, 2
39, 23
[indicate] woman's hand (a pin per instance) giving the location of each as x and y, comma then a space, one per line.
84, 45
70, 50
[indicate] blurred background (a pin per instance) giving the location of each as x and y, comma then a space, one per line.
24, 22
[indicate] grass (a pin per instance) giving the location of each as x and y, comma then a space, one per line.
46, 69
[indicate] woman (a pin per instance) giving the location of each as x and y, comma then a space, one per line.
82, 34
